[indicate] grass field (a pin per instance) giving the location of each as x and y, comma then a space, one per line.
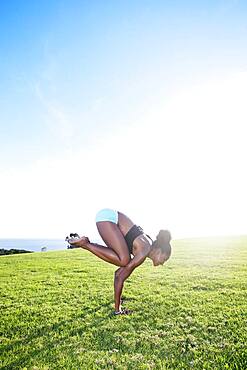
190, 313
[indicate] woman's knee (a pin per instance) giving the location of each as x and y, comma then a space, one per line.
124, 261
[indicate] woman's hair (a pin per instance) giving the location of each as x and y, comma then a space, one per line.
162, 242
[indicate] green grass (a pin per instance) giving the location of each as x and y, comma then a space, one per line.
190, 313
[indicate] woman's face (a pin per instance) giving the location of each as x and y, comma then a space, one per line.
159, 257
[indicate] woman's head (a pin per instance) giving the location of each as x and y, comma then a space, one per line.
161, 248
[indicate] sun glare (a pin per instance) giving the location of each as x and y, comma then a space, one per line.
181, 167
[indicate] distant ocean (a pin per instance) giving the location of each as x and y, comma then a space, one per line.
34, 245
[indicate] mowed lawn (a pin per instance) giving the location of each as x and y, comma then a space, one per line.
191, 313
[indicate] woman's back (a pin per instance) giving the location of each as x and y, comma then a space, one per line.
124, 223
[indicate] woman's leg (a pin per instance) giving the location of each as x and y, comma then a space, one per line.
115, 241
116, 251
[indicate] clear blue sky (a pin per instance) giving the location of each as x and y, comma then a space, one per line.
76, 73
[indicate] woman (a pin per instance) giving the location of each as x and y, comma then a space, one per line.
127, 246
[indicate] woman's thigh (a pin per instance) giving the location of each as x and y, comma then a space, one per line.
114, 239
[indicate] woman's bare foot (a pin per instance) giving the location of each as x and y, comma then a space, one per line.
76, 241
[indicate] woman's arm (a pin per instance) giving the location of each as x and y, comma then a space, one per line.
122, 274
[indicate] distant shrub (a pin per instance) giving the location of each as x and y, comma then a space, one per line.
12, 251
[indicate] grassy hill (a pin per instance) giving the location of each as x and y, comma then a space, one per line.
190, 313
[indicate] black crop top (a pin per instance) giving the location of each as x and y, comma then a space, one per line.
132, 234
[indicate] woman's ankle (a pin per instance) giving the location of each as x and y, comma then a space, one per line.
87, 246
